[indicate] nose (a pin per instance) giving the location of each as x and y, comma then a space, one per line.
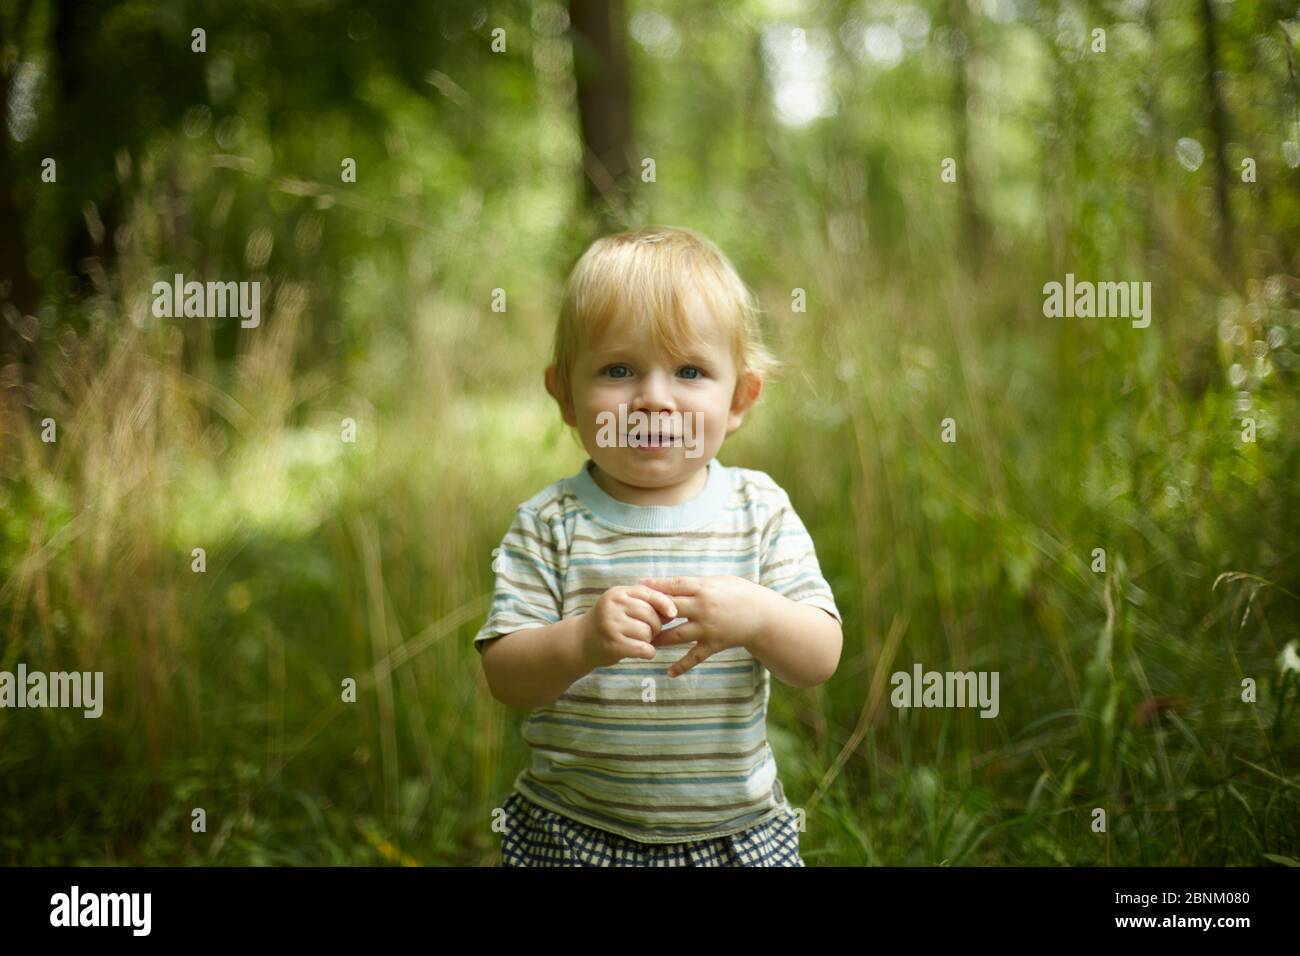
654, 392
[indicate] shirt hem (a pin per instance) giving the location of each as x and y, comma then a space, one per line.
568, 813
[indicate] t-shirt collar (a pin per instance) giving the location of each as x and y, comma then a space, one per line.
689, 514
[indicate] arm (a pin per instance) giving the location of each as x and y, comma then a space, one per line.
799, 639
533, 667
800, 644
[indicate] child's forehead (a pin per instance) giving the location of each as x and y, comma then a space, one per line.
683, 323
700, 332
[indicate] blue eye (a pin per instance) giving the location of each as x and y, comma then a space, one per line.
610, 371
691, 368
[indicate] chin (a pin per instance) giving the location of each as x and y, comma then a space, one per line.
648, 474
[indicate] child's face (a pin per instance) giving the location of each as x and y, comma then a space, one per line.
699, 393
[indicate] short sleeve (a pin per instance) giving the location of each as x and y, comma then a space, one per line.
527, 592
789, 563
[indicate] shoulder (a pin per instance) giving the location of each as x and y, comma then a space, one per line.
550, 511
548, 501
757, 488
757, 494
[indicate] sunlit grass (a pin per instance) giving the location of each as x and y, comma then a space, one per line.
370, 559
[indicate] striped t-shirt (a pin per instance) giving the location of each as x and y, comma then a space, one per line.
690, 761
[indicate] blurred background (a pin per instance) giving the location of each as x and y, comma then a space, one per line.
809, 141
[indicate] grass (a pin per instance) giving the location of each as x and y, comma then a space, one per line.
327, 560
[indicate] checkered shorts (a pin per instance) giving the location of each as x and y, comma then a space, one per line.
535, 836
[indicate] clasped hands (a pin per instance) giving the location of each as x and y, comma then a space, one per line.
721, 611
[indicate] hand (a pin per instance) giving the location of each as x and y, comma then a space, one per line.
623, 622
721, 611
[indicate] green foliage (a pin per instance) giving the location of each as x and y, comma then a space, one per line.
327, 560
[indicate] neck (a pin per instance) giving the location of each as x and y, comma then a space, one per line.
676, 494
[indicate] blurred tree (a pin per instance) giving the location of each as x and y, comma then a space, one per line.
104, 83
19, 291
962, 39
600, 64
1218, 114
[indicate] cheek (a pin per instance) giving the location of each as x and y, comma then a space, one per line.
602, 398
711, 413
717, 406
592, 403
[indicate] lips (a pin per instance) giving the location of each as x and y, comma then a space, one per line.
652, 441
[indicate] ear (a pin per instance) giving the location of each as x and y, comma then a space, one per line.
746, 394
566, 406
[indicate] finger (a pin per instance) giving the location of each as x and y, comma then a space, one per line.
643, 613
638, 649
686, 633
658, 600
688, 660
674, 585
638, 630
686, 606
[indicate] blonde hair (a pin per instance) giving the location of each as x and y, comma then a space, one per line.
651, 275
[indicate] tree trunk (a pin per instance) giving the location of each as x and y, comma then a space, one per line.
973, 225
79, 76
19, 291
1219, 127
1155, 199
604, 106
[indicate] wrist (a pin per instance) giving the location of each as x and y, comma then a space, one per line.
582, 642
768, 609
